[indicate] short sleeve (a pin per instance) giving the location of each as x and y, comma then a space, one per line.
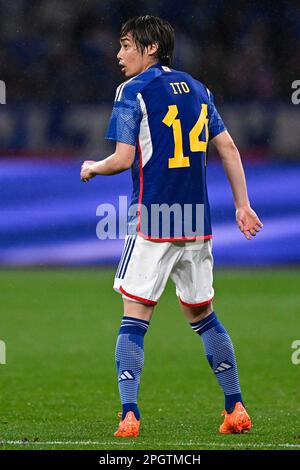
215, 122
126, 117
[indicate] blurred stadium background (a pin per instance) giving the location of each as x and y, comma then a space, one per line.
58, 60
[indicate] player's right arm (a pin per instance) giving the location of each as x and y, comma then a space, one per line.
246, 218
123, 128
119, 161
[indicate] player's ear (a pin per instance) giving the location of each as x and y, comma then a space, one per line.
152, 49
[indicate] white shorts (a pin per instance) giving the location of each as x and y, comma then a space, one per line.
145, 267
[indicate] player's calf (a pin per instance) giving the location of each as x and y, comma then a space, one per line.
130, 362
221, 358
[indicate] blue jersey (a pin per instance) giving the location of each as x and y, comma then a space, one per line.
170, 117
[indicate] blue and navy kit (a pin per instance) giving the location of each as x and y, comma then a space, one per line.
170, 117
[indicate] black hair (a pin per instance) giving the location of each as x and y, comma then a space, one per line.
147, 30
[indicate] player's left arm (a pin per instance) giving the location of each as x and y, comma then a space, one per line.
121, 160
246, 218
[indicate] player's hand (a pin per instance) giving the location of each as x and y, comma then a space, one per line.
248, 221
86, 173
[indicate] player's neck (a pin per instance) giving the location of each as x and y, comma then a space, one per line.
148, 65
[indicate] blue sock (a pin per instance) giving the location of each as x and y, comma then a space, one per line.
220, 355
130, 362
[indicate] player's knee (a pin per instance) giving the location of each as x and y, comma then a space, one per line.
138, 310
195, 314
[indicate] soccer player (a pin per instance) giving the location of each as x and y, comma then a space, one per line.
162, 120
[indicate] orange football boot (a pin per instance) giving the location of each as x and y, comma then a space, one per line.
236, 422
129, 426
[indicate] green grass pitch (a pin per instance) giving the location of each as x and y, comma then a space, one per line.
58, 387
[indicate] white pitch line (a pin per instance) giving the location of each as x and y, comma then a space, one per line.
99, 443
